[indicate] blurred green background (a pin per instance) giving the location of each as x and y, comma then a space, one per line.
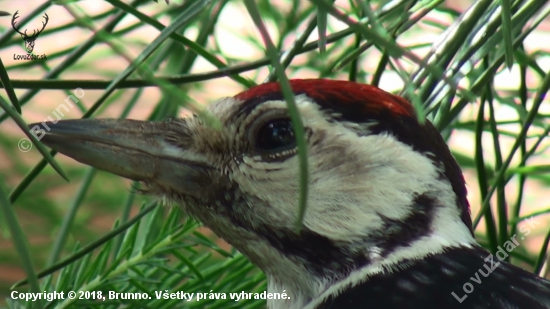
477, 69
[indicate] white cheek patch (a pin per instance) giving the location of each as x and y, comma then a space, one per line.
354, 178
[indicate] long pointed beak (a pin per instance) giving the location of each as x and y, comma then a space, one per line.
129, 148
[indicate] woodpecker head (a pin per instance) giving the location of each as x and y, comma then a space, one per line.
383, 188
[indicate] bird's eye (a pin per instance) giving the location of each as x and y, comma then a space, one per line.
275, 136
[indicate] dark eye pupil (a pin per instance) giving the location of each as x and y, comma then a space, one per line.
276, 135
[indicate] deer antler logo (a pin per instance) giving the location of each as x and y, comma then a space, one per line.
29, 39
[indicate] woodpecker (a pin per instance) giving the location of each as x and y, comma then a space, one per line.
387, 223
